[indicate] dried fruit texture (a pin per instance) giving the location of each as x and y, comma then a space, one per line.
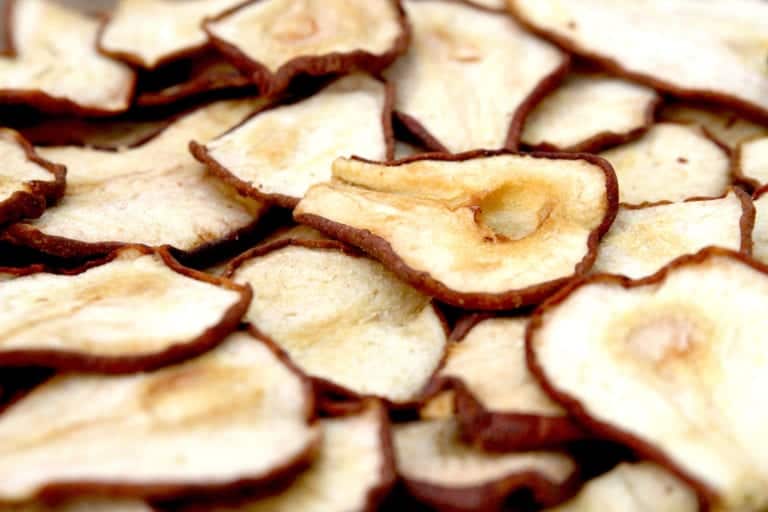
339, 315
646, 41
760, 233
685, 344
481, 230
154, 194
590, 112
282, 151
751, 162
53, 63
497, 73
671, 162
237, 416
275, 40
28, 184
138, 310
438, 469
727, 127
639, 487
641, 241
353, 469
148, 33
81, 505
95, 133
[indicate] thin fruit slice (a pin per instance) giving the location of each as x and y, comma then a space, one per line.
669, 367
338, 315
80, 505
149, 33
751, 162
153, 194
712, 51
760, 232
272, 41
440, 470
671, 162
28, 184
497, 71
480, 230
237, 417
638, 487
642, 240
137, 310
723, 124
110, 134
283, 150
590, 112
53, 65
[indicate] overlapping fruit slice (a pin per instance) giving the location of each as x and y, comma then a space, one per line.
643, 240
28, 184
148, 33
590, 112
53, 63
669, 366
339, 315
751, 162
236, 417
440, 470
80, 505
497, 74
760, 232
281, 151
482, 230
658, 43
137, 310
272, 41
153, 194
671, 162
723, 124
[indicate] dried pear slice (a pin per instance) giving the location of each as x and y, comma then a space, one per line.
728, 128
440, 470
473, 229
52, 62
671, 162
282, 151
149, 33
664, 368
751, 162
497, 71
110, 134
318, 301
273, 41
639, 487
642, 240
760, 232
137, 310
153, 194
28, 184
80, 505
236, 417
656, 42
590, 112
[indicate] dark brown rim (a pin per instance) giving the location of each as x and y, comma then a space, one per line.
737, 169
71, 132
179, 351
381, 250
270, 84
246, 189
203, 85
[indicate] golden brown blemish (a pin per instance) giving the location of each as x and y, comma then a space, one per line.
682, 160
457, 48
294, 28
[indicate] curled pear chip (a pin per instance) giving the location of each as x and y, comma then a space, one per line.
273, 41
760, 233
751, 162
723, 124
339, 315
642, 240
638, 487
671, 162
480, 230
148, 33
153, 194
28, 184
137, 310
441, 471
668, 367
236, 417
281, 151
497, 74
80, 505
53, 64
589, 112
712, 51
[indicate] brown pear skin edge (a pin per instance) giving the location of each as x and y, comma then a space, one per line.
201, 154
32, 203
381, 250
271, 84
182, 350
210, 86
577, 410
